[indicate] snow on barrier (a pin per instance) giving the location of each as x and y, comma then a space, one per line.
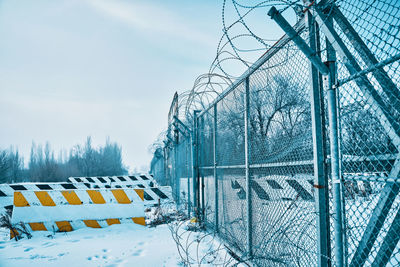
152, 195
139, 180
67, 210
118, 185
7, 190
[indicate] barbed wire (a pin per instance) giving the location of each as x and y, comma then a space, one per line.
230, 51
283, 232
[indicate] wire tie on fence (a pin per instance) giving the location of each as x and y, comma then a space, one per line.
308, 6
318, 186
328, 62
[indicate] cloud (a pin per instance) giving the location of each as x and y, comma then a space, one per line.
151, 18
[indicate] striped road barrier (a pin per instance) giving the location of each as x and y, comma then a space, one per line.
141, 180
7, 190
154, 195
120, 185
67, 210
276, 189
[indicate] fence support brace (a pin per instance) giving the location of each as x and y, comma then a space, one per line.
337, 182
201, 175
301, 44
176, 176
215, 136
189, 154
319, 151
247, 168
195, 164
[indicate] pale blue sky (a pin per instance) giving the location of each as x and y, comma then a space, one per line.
73, 68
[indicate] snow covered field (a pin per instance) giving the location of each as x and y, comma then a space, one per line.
116, 245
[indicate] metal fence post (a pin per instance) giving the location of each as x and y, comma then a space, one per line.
194, 162
382, 109
247, 167
335, 157
188, 155
166, 165
301, 44
201, 176
176, 175
215, 167
319, 151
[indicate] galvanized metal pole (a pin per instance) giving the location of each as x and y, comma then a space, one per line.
301, 44
247, 167
319, 151
215, 167
188, 151
387, 84
176, 173
201, 176
198, 147
371, 96
194, 161
165, 164
335, 157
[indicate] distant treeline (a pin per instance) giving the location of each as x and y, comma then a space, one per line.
44, 166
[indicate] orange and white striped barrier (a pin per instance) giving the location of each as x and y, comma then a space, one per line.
67, 210
7, 190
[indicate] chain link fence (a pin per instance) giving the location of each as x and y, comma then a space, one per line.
370, 130
297, 163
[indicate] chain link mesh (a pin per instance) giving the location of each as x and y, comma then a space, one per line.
283, 211
184, 170
370, 130
281, 157
157, 167
230, 158
206, 165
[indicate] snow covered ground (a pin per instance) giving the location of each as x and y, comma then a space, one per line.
116, 245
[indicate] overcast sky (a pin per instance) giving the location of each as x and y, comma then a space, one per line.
76, 68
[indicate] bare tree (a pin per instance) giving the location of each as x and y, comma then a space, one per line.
279, 108
4, 166
11, 166
82, 161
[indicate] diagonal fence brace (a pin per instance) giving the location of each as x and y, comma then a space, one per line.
372, 97
301, 44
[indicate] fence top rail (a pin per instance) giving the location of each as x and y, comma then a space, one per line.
299, 27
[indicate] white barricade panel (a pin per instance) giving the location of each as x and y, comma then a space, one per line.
66, 210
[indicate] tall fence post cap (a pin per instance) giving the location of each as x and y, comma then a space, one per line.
272, 12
